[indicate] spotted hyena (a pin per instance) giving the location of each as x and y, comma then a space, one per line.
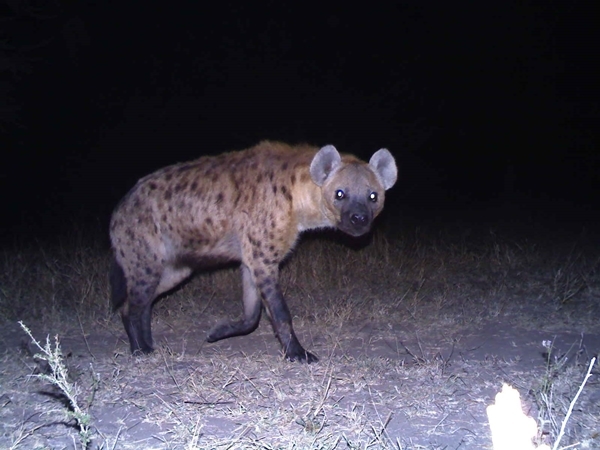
247, 206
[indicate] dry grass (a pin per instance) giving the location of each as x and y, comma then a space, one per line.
399, 324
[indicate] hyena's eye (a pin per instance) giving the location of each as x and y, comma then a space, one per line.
340, 195
373, 197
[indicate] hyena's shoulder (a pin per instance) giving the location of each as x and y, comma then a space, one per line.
278, 158
284, 163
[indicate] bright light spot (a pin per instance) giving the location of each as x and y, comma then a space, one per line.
511, 429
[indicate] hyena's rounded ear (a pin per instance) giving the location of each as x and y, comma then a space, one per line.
325, 161
384, 165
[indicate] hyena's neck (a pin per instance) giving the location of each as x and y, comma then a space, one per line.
308, 207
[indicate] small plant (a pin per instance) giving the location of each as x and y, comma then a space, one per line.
572, 404
58, 376
555, 364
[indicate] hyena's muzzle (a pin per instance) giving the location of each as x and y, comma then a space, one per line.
356, 218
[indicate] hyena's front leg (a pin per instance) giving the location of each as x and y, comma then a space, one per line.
252, 309
281, 319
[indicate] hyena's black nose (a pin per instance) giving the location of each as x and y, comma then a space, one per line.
359, 219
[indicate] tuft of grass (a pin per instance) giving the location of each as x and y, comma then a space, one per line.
567, 283
49, 281
59, 377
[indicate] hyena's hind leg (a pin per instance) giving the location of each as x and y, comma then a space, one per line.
137, 322
118, 285
136, 312
252, 310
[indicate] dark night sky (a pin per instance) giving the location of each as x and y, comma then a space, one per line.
462, 95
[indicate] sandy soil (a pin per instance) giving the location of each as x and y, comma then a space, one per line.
377, 385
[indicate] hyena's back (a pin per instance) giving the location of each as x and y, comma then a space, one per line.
246, 206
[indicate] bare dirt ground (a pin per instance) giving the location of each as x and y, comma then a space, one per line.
415, 336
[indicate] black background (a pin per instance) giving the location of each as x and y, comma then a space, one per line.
485, 105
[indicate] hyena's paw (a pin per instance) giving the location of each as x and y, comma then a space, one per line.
212, 337
220, 331
301, 356
140, 351
138, 345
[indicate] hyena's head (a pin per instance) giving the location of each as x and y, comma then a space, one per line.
353, 191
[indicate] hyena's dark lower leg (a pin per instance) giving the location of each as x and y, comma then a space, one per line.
118, 285
281, 320
252, 310
137, 317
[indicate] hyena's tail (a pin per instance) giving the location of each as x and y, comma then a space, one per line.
118, 285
